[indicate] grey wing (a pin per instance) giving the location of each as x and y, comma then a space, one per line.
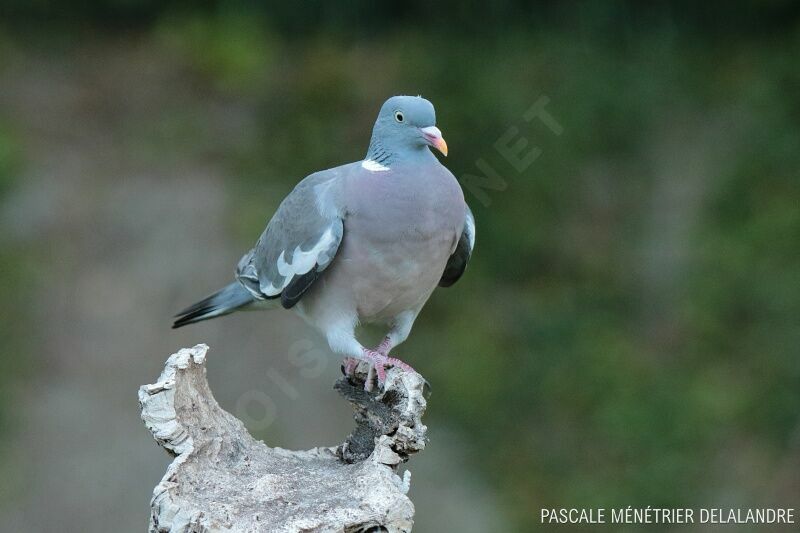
300, 242
457, 263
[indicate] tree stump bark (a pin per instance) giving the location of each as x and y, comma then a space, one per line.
222, 479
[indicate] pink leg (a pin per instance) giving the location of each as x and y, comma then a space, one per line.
383, 349
379, 362
384, 346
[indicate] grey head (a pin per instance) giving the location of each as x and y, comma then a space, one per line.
405, 128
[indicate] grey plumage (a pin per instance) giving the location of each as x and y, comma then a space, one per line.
365, 242
298, 244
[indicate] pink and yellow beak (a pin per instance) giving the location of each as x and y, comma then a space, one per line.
434, 138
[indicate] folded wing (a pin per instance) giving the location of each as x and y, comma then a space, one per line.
457, 263
300, 242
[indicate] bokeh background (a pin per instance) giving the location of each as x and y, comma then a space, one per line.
627, 332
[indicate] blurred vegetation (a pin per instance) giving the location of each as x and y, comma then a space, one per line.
627, 333
16, 327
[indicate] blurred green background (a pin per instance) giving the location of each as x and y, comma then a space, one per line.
627, 332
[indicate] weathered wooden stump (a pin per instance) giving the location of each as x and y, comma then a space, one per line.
222, 479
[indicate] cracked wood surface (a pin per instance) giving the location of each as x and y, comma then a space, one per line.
222, 479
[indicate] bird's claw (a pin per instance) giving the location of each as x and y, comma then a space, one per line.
378, 363
349, 366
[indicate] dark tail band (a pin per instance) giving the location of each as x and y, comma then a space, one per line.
222, 302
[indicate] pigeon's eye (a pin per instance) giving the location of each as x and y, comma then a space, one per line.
398, 116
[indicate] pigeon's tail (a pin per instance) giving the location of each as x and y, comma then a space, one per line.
222, 302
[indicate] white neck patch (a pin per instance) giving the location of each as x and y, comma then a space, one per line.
373, 166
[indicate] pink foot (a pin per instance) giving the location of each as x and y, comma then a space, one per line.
379, 362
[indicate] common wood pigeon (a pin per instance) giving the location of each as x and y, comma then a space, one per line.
366, 242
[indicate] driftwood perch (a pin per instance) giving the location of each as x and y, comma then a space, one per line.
222, 479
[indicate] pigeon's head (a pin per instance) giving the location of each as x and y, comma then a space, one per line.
406, 124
